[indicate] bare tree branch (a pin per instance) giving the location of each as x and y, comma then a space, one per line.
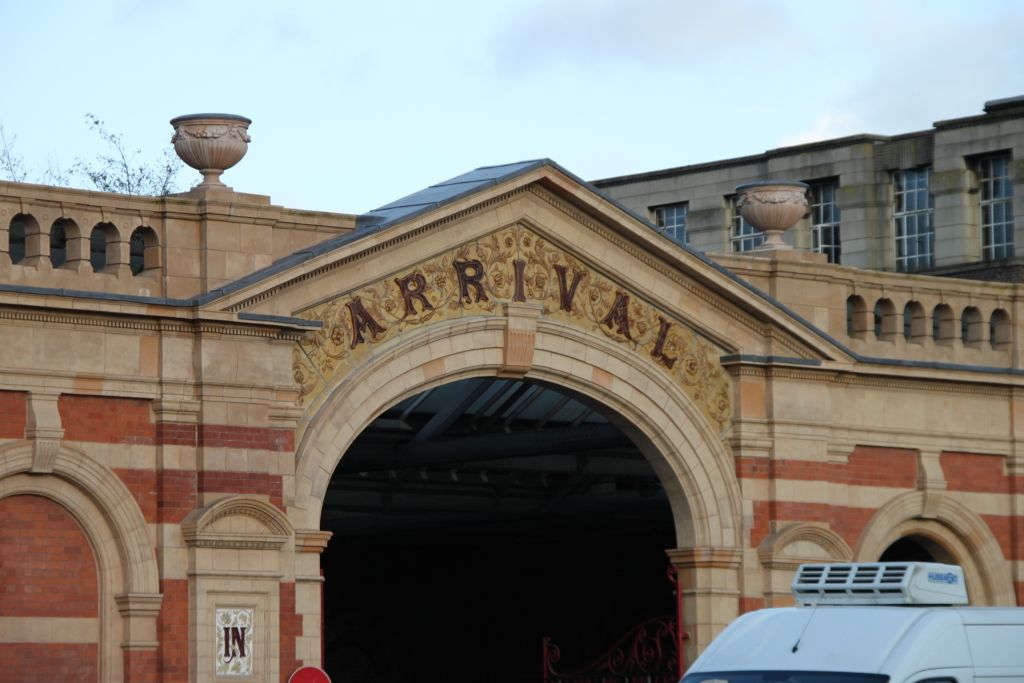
11, 164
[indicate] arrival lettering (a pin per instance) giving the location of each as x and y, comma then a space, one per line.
362, 321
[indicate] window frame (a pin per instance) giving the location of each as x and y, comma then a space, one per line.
995, 196
660, 215
822, 207
913, 204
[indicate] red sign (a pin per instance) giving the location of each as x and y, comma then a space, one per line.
309, 674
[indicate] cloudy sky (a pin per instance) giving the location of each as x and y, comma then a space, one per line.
357, 103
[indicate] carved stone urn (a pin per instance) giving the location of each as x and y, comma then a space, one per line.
773, 207
211, 143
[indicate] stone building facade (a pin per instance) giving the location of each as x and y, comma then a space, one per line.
183, 376
941, 200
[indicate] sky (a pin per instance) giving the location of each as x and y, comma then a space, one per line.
355, 104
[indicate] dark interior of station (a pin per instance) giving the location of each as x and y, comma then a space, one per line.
476, 518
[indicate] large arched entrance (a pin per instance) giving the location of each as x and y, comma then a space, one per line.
477, 517
692, 469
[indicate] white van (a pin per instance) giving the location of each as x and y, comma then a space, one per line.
870, 623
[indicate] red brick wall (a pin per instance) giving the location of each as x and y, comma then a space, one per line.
867, 466
974, 472
243, 482
142, 484
64, 662
176, 495
47, 567
846, 521
13, 414
291, 628
246, 437
172, 630
177, 433
102, 419
140, 666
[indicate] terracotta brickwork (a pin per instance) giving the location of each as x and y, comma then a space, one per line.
176, 495
47, 567
172, 629
65, 662
177, 434
848, 522
890, 467
976, 472
47, 570
102, 419
242, 482
142, 484
246, 437
12, 414
141, 666
291, 628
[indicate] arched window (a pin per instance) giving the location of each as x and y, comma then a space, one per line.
143, 250
102, 236
914, 322
856, 316
917, 548
971, 326
999, 329
885, 319
58, 243
942, 324
16, 238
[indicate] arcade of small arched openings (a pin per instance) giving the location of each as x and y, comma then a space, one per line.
895, 316
103, 249
913, 324
178, 246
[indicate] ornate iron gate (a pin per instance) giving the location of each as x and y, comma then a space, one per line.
651, 652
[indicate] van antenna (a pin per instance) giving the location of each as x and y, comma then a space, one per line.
814, 608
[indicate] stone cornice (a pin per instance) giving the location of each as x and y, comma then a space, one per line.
705, 558
311, 540
145, 322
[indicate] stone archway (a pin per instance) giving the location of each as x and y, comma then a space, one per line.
687, 454
106, 511
939, 519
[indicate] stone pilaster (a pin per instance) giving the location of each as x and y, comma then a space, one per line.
708, 578
309, 544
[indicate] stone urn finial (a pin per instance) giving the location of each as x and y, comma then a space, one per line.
773, 207
211, 143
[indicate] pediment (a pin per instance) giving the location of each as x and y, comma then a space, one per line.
542, 238
238, 522
480, 278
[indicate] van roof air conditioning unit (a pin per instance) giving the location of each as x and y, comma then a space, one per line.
880, 583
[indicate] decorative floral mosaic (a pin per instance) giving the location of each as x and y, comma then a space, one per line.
512, 265
234, 642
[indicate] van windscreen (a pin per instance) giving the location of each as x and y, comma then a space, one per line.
782, 677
